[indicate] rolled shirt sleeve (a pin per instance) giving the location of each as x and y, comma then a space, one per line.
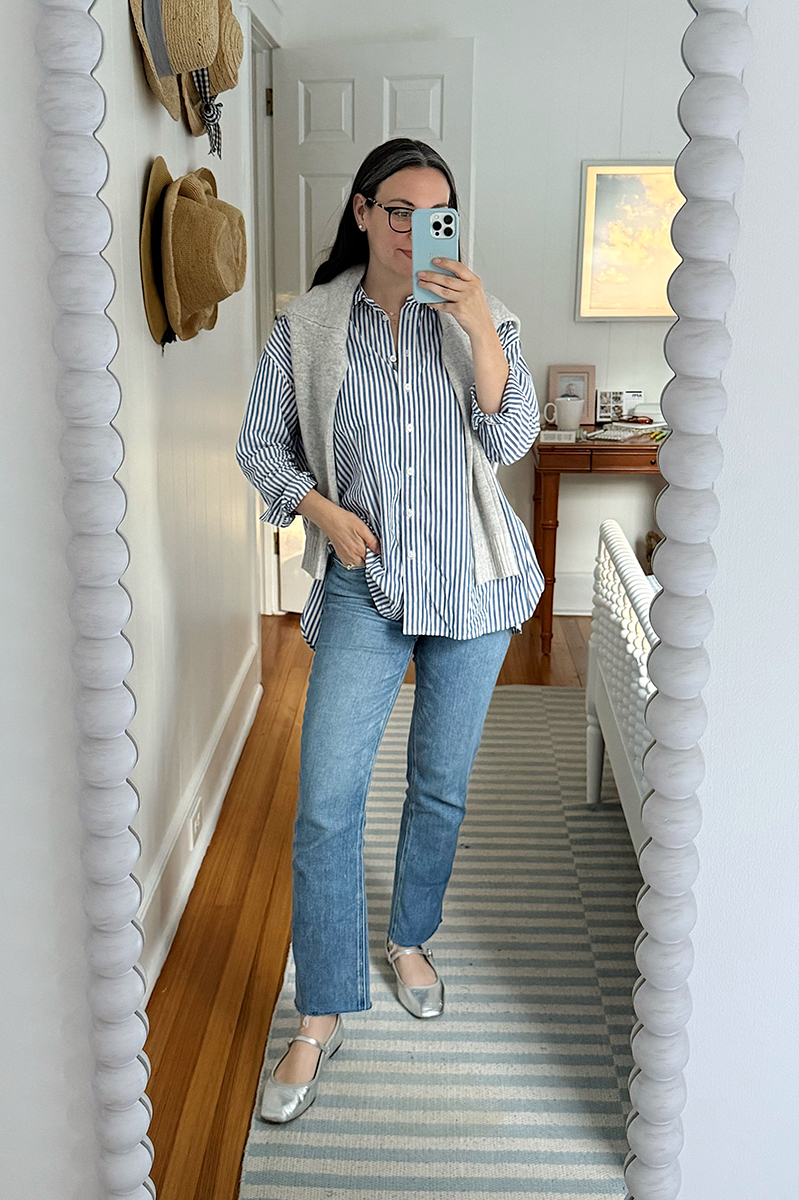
508, 434
269, 448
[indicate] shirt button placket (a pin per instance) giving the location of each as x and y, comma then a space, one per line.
406, 390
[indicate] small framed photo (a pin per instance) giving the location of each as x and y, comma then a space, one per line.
574, 381
610, 405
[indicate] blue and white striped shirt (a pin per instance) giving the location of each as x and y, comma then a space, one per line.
399, 451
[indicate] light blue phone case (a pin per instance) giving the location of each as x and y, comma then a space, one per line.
428, 242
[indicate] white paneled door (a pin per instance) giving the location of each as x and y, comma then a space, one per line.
333, 104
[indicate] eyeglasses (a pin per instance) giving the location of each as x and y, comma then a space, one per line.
398, 218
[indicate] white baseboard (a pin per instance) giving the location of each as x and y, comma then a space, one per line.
169, 884
574, 594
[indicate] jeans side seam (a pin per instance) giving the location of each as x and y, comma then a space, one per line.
364, 929
400, 873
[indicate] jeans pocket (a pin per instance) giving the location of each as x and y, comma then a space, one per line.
344, 567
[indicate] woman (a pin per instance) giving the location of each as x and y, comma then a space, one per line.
381, 421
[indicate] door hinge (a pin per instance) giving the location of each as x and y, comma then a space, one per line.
269, 102
276, 542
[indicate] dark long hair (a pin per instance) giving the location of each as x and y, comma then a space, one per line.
352, 245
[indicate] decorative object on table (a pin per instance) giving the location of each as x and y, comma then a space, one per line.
567, 411
637, 404
192, 250
574, 381
611, 405
557, 435
199, 89
610, 433
634, 401
625, 255
174, 38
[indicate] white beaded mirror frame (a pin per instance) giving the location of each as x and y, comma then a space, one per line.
712, 111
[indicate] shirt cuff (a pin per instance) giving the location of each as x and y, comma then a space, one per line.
282, 511
508, 433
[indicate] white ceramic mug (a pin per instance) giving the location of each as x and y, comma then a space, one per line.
568, 410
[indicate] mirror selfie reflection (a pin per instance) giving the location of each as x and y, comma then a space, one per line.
391, 924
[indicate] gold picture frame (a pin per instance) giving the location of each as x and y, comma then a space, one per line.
580, 380
626, 256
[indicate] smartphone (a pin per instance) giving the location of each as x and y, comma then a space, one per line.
434, 234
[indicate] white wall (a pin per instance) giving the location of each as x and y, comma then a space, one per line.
191, 512
554, 83
743, 1113
47, 1144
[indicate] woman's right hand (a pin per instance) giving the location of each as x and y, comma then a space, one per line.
350, 536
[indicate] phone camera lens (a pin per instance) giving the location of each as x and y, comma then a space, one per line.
436, 225
449, 218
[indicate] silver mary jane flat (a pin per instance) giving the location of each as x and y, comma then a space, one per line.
427, 1001
285, 1101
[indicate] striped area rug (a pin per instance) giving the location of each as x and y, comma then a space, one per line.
520, 1087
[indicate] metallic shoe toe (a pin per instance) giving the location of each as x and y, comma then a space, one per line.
422, 1001
284, 1101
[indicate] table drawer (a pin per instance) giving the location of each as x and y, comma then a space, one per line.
553, 458
635, 459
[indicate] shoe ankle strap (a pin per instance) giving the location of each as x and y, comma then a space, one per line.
392, 954
301, 1037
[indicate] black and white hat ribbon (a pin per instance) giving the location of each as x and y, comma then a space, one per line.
210, 110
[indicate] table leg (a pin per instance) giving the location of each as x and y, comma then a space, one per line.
537, 514
546, 524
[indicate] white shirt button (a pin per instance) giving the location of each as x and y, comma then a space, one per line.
393, 358
407, 387
409, 428
410, 470
411, 554
410, 512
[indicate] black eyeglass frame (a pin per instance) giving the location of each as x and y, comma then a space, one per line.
391, 209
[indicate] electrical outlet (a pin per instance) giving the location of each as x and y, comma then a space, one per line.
195, 823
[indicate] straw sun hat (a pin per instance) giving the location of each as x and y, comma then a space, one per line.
175, 36
193, 252
191, 51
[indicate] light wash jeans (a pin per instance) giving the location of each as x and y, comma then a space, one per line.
359, 663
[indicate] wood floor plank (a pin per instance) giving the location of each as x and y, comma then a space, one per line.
202, 1094
221, 1168
204, 930
578, 647
266, 762
563, 672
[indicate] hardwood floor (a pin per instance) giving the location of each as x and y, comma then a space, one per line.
212, 1005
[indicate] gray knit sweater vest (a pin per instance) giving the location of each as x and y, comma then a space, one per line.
318, 324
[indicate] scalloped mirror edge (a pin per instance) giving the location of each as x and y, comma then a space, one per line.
712, 111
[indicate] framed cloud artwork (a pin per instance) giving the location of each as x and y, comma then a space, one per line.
626, 256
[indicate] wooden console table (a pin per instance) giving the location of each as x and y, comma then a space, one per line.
638, 456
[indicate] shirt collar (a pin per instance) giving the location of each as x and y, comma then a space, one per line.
360, 297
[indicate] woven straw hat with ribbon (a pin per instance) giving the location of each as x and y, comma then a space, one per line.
199, 89
193, 252
175, 36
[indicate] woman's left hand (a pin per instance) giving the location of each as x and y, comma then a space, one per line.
463, 296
